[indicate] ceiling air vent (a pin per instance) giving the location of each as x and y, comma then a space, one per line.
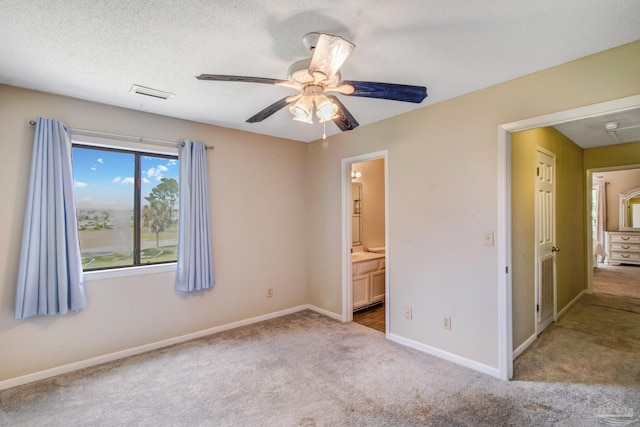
154, 93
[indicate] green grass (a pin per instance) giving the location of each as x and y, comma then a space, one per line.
146, 236
164, 254
148, 256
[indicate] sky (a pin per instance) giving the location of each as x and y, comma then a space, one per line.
104, 179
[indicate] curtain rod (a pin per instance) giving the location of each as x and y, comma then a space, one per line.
120, 136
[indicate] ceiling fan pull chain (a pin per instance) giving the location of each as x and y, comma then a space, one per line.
324, 130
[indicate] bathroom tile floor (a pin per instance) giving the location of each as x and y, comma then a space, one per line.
372, 317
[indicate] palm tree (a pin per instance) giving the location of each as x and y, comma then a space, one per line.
158, 215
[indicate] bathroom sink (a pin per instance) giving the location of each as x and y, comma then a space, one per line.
378, 250
362, 256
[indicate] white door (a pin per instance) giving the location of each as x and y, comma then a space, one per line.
545, 234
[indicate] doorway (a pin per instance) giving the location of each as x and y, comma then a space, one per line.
504, 234
365, 232
616, 269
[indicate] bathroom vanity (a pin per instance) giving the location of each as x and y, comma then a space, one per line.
368, 280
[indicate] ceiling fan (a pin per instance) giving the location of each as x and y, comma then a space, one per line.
316, 77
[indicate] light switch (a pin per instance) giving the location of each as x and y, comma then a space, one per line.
488, 238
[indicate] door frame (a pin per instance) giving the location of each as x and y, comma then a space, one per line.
504, 248
347, 296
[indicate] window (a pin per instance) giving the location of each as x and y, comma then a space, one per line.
127, 207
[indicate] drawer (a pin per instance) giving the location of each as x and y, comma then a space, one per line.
621, 246
364, 267
624, 256
624, 238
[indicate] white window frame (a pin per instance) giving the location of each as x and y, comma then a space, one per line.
139, 146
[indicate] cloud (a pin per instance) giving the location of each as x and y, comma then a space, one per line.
146, 181
127, 180
93, 168
79, 184
100, 160
172, 162
157, 172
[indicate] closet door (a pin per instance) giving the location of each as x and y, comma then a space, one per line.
545, 234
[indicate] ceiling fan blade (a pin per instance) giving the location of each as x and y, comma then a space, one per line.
276, 106
391, 91
225, 78
329, 55
345, 121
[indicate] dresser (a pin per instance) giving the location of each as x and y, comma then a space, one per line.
623, 247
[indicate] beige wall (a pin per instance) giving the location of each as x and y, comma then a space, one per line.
607, 158
277, 218
443, 197
258, 188
570, 217
372, 181
612, 155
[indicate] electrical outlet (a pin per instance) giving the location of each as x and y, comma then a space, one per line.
446, 322
408, 313
269, 292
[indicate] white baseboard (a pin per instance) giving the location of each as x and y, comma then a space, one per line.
573, 301
522, 347
58, 370
327, 313
472, 364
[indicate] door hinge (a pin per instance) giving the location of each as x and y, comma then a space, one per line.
507, 269
537, 308
537, 171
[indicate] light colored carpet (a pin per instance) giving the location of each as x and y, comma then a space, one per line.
596, 342
619, 280
304, 370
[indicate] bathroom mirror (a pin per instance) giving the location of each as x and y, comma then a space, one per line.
630, 210
356, 213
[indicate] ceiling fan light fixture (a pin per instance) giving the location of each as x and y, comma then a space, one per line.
302, 110
325, 109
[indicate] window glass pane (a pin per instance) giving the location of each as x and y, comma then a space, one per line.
104, 187
159, 217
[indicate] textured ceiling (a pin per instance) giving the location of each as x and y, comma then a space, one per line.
591, 132
97, 50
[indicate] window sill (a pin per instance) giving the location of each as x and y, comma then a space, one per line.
91, 276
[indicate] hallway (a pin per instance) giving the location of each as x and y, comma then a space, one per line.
596, 342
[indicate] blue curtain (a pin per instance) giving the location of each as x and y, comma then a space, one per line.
195, 251
50, 272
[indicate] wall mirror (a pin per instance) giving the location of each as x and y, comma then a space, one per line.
356, 213
630, 210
